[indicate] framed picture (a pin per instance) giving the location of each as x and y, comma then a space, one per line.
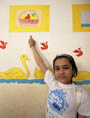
81, 17
29, 18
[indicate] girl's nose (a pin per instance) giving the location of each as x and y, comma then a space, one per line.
61, 71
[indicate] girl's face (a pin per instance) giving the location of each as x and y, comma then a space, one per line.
63, 70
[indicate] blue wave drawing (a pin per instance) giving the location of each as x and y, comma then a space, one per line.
23, 81
41, 81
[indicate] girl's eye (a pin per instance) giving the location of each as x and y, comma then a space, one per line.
57, 68
66, 67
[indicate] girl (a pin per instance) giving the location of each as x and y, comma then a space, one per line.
62, 92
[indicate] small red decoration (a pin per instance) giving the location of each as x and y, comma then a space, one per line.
3, 44
79, 52
44, 46
27, 17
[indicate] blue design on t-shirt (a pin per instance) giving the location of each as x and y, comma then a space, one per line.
57, 101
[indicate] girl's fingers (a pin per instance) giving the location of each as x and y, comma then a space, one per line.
30, 36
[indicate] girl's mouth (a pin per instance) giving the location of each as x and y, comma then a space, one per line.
61, 77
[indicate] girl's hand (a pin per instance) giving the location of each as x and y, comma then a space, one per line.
31, 42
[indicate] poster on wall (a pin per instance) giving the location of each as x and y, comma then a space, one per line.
29, 18
81, 17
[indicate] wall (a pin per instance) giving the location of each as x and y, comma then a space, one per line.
29, 100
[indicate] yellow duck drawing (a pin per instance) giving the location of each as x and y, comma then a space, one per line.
39, 74
17, 73
82, 76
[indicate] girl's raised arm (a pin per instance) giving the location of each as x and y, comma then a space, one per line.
37, 56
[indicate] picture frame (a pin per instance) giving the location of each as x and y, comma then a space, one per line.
29, 18
81, 17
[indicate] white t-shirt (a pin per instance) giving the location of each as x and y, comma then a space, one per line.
62, 99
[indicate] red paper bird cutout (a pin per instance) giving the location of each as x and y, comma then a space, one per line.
79, 52
3, 44
44, 46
